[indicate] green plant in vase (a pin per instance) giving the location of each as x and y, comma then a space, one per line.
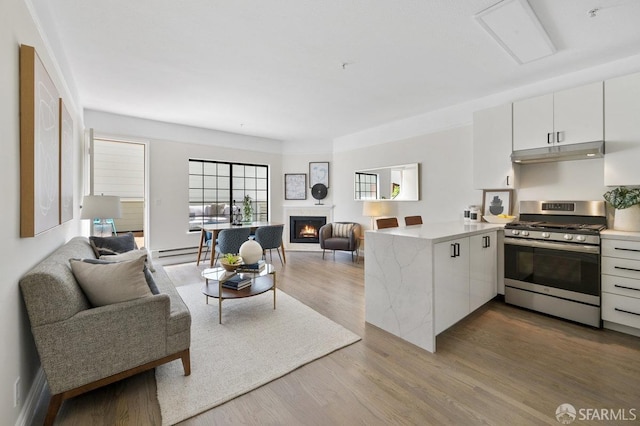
231, 258
626, 201
247, 209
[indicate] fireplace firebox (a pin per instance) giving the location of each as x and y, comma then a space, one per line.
304, 229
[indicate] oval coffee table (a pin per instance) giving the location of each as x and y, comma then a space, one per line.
261, 282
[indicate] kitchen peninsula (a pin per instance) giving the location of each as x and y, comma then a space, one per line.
422, 279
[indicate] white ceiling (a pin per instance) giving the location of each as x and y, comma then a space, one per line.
277, 69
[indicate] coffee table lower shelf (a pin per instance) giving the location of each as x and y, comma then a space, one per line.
261, 283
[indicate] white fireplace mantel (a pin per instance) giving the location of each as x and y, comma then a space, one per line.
304, 210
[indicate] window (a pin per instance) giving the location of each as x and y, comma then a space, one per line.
366, 186
217, 190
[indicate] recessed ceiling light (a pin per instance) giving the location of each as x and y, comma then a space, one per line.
514, 25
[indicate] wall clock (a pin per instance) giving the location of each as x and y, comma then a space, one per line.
319, 192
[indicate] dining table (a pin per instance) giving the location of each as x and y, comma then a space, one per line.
215, 229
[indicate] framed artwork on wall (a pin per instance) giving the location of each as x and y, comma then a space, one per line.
66, 164
295, 186
39, 146
319, 173
496, 201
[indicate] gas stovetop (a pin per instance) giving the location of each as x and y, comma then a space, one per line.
574, 228
565, 221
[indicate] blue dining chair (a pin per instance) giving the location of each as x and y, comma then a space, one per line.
270, 237
208, 237
230, 240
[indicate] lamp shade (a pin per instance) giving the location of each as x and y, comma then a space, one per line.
100, 207
375, 208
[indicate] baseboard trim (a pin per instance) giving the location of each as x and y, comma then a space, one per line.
30, 406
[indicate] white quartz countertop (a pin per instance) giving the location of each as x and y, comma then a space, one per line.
437, 232
620, 235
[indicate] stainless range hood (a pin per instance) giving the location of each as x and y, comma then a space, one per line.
576, 151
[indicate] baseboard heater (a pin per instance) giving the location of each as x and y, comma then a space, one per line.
175, 255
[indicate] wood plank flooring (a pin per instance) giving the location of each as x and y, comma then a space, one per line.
499, 366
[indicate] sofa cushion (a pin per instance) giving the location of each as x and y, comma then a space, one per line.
108, 283
147, 271
113, 245
130, 255
342, 230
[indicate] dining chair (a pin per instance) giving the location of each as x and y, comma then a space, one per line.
208, 237
387, 222
413, 220
269, 238
230, 240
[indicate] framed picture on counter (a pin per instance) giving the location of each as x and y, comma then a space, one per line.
497, 201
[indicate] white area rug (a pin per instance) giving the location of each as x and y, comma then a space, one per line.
254, 345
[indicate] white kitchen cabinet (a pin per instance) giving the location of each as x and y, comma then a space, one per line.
451, 274
622, 132
465, 275
621, 285
565, 117
483, 269
492, 146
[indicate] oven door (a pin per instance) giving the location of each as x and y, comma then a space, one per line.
568, 271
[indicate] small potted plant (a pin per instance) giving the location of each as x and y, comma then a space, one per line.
626, 201
230, 261
247, 209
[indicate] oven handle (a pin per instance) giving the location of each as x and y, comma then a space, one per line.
579, 248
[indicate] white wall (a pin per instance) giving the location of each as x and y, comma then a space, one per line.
445, 176
170, 147
18, 255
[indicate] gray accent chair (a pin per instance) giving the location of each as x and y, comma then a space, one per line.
351, 242
269, 238
82, 347
230, 240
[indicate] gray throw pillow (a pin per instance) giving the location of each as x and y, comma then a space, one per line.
113, 245
147, 272
108, 283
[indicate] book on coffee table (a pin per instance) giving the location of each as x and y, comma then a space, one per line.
237, 282
252, 267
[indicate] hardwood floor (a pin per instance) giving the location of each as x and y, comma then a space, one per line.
500, 366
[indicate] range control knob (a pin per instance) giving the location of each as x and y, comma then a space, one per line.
546, 235
515, 232
525, 233
568, 237
581, 238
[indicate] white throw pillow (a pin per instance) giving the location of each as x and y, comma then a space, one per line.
105, 284
130, 255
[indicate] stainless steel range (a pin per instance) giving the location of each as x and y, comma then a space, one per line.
552, 259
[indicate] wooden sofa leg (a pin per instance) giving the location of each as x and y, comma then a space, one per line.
52, 411
186, 362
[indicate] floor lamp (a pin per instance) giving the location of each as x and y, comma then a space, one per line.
375, 209
101, 207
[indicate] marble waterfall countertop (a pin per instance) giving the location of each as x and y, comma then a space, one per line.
437, 232
399, 277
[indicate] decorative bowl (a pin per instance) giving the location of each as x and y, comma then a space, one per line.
498, 219
230, 266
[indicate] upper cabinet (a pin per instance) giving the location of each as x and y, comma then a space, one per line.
622, 133
566, 117
492, 133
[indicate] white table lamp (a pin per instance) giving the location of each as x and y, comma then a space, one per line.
101, 207
375, 209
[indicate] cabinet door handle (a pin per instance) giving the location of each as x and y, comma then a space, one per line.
488, 241
625, 287
626, 269
549, 136
453, 250
625, 249
627, 312
558, 137
507, 180
457, 249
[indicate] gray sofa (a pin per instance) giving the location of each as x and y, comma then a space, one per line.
82, 348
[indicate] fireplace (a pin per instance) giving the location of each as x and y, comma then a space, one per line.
304, 229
